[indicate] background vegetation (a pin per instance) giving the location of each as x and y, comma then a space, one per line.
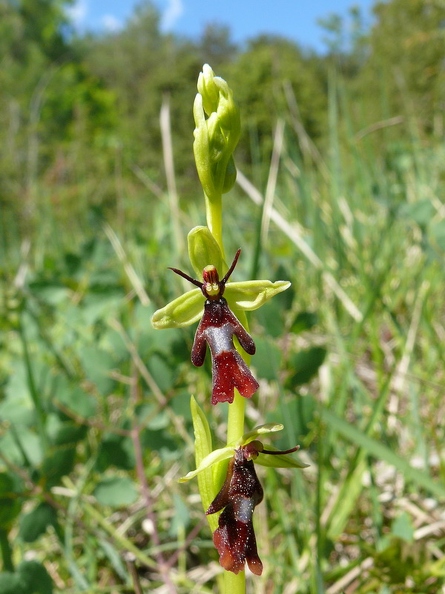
341, 190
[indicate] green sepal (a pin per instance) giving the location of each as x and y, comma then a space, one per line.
203, 448
180, 312
222, 454
204, 250
260, 430
250, 295
279, 461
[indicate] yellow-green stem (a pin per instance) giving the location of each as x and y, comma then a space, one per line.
214, 219
235, 421
233, 584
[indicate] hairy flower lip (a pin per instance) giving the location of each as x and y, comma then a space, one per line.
216, 330
240, 494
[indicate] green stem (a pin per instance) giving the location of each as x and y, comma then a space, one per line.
235, 421
214, 219
233, 584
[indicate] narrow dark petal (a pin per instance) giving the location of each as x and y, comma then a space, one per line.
199, 347
194, 281
244, 338
222, 499
232, 267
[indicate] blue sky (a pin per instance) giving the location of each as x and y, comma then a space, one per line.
295, 19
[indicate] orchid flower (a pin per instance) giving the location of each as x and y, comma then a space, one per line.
218, 323
234, 538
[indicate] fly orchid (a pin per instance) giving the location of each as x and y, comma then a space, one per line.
234, 537
218, 324
216, 329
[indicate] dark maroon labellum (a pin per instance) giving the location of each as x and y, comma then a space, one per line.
216, 329
235, 538
241, 492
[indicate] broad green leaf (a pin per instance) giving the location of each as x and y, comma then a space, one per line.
267, 359
69, 433
180, 312
422, 211
181, 516
162, 373
272, 317
204, 251
104, 305
305, 364
116, 491
115, 450
29, 445
437, 234
76, 400
305, 320
97, 365
250, 295
10, 583
34, 575
31, 577
161, 441
57, 463
17, 407
35, 523
402, 527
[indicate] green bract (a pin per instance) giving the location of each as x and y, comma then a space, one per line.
244, 295
217, 132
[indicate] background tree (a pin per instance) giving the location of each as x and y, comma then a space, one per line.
405, 67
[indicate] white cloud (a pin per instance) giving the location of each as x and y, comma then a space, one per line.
111, 23
171, 14
77, 13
